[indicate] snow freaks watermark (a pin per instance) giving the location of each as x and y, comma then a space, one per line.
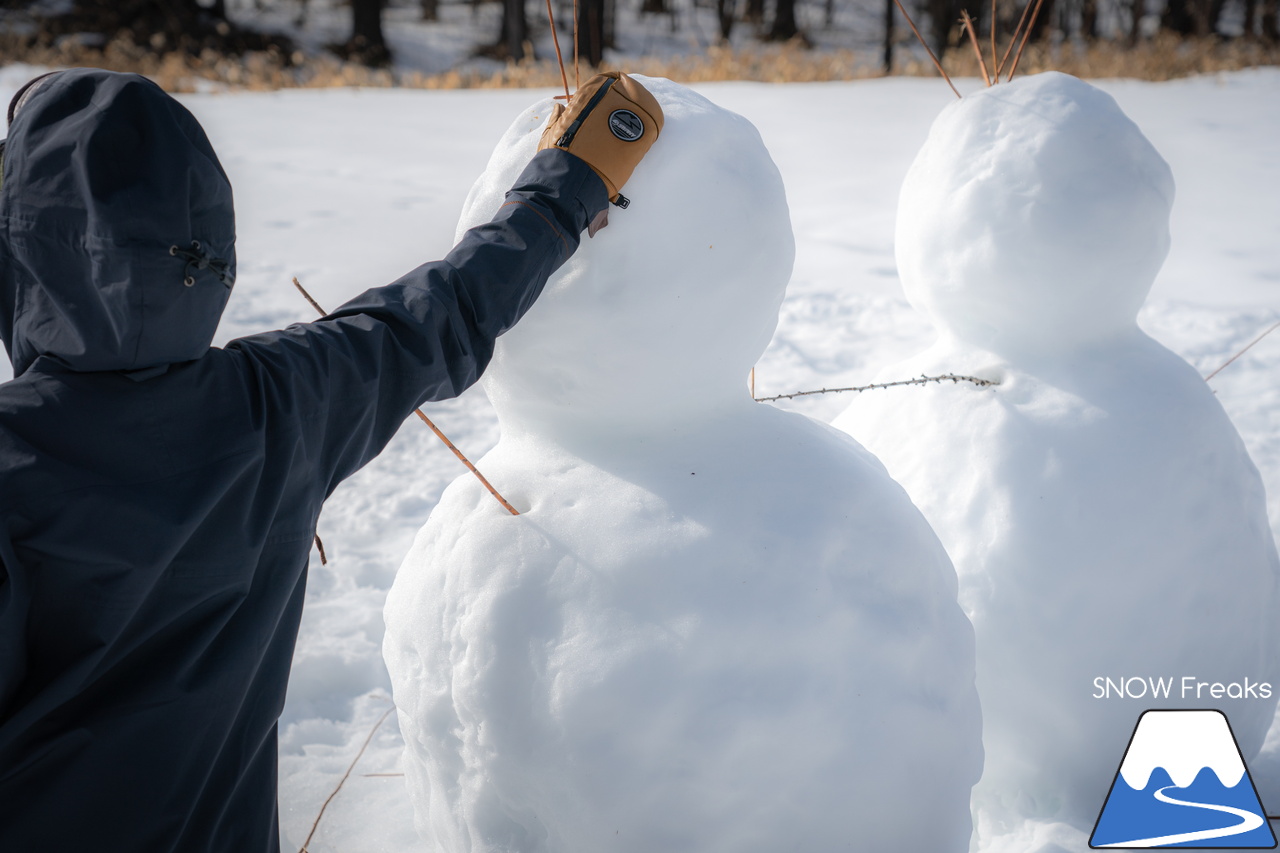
1182, 783
1173, 687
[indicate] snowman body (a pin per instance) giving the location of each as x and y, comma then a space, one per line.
1107, 525
715, 626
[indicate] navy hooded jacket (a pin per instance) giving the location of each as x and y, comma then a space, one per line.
158, 497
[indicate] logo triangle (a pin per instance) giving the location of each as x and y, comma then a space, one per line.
1182, 783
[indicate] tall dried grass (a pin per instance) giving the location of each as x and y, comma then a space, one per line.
1162, 58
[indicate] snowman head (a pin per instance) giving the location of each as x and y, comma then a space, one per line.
1035, 217
661, 315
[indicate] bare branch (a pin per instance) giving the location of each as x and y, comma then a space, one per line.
967, 23
954, 378
343, 780
1243, 351
936, 63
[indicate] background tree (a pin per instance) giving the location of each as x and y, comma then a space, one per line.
942, 17
154, 26
889, 8
784, 25
726, 11
367, 44
594, 30
514, 35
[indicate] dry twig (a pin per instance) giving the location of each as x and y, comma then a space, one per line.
1249, 346
1026, 36
922, 380
992, 27
555, 40
1022, 19
936, 63
342, 781
967, 22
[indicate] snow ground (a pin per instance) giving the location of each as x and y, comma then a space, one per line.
349, 189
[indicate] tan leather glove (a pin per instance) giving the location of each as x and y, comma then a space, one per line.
611, 122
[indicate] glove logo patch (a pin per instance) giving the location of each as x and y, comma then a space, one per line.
626, 125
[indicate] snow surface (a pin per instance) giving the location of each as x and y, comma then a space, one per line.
349, 189
715, 626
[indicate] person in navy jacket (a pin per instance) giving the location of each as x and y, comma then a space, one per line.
158, 496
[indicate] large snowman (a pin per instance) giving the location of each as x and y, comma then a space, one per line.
1106, 522
715, 626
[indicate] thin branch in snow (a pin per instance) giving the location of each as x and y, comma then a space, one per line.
343, 780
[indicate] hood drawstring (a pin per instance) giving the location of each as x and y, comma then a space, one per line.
198, 258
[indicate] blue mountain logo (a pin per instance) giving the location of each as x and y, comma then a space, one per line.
1183, 783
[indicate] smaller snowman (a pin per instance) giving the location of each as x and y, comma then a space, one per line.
715, 627
1104, 517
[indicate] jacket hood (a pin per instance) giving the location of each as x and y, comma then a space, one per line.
117, 232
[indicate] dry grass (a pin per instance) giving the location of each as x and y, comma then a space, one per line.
1166, 57
1163, 58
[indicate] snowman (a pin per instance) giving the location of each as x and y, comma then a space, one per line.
714, 626
1107, 525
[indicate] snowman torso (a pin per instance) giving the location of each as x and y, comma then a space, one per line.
736, 662
1106, 523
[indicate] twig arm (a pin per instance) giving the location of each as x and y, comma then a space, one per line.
922, 380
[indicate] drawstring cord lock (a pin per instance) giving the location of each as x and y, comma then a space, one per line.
197, 258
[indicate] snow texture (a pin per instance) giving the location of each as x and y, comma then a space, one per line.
1103, 514
715, 626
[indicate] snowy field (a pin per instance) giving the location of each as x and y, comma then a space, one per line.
349, 189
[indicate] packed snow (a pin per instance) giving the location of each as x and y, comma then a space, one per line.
349, 189
715, 626
1103, 514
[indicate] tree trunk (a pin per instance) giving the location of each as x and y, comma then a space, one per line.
430, 10
1215, 15
1250, 17
754, 12
515, 31
726, 10
591, 31
1177, 17
654, 7
942, 15
888, 36
784, 21
1044, 22
1089, 19
1270, 25
367, 44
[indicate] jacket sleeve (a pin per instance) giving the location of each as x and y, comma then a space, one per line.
349, 380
